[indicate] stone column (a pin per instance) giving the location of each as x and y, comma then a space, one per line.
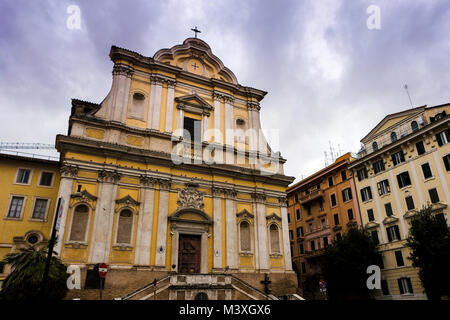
285, 234
231, 228
119, 92
145, 224
217, 228
161, 238
216, 97
180, 122
169, 105
261, 226
104, 216
155, 102
205, 127
68, 173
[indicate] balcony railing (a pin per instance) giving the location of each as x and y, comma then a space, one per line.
314, 253
312, 196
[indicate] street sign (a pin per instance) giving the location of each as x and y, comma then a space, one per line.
102, 270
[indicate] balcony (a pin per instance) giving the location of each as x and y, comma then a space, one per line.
316, 194
314, 253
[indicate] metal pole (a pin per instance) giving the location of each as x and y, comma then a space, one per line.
101, 287
50, 251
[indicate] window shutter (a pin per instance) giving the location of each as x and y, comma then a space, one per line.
393, 159
369, 192
379, 188
400, 286
439, 139
402, 156
397, 232
408, 281
399, 180
389, 233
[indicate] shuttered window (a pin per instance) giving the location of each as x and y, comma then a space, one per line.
274, 239
405, 286
245, 236
125, 227
79, 223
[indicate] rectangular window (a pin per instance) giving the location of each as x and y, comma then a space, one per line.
301, 248
347, 194
291, 235
434, 197
40, 206
370, 215
192, 129
309, 210
350, 214
380, 261
310, 227
366, 194
446, 160
393, 233
383, 187
330, 181
23, 176
403, 179
409, 202
338, 236
336, 219
426, 169
384, 287
15, 207
333, 200
297, 214
300, 232
443, 137
374, 235
303, 267
378, 166
325, 241
420, 148
46, 179
296, 197
388, 208
398, 158
289, 217
2, 267
399, 258
362, 174
323, 222
404, 285
312, 245
344, 175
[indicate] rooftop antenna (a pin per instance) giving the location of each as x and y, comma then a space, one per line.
410, 101
333, 156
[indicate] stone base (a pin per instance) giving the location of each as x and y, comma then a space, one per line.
217, 286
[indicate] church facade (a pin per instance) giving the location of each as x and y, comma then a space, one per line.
170, 174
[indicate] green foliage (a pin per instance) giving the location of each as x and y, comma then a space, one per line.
429, 241
24, 282
345, 263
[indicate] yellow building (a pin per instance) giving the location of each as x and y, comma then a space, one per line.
29, 188
143, 197
404, 165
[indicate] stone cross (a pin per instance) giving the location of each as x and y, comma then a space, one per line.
196, 31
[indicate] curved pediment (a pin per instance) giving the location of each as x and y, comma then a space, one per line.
190, 215
390, 220
195, 56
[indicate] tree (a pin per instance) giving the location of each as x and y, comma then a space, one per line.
429, 241
345, 263
25, 280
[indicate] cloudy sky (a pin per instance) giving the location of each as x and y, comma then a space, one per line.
329, 77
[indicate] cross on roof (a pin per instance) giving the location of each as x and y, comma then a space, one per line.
196, 31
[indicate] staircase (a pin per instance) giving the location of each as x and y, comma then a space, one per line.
190, 286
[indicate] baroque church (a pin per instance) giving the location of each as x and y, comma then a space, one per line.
170, 182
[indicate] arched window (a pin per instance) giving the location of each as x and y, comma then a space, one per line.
274, 239
245, 236
375, 146
79, 223
414, 126
125, 227
393, 136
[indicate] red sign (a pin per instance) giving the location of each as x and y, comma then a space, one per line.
102, 270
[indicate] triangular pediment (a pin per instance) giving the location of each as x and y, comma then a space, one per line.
390, 220
194, 103
128, 200
391, 121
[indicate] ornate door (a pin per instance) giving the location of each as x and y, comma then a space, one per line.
189, 254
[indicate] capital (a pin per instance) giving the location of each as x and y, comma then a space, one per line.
109, 176
164, 184
68, 171
123, 69
147, 181
259, 197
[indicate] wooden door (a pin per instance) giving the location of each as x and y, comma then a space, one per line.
189, 254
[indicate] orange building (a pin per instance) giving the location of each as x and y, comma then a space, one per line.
320, 209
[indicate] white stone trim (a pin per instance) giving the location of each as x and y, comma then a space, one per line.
145, 227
